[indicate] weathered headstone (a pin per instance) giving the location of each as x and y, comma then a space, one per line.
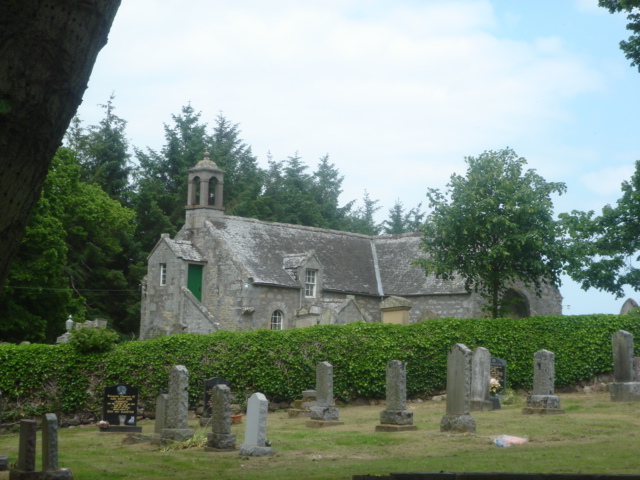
177, 427
396, 417
26, 467
543, 400
208, 393
324, 413
27, 448
625, 386
458, 418
255, 436
161, 413
302, 407
220, 438
50, 442
120, 408
498, 370
480, 376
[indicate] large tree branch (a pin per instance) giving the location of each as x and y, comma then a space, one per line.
47, 52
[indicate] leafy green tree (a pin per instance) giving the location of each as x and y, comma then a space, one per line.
602, 249
326, 193
162, 178
103, 153
70, 259
497, 227
362, 220
400, 221
631, 48
243, 179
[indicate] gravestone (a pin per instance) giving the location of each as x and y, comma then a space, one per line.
396, 417
480, 376
120, 409
625, 386
26, 466
27, 447
161, 413
255, 436
302, 407
220, 438
458, 418
324, 413
208, 392
498, 370
543, 401
176, 427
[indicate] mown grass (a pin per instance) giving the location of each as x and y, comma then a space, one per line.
595, 436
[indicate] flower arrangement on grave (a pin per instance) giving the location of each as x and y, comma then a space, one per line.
103, 424
494, 385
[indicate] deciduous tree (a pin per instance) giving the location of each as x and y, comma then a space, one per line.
631, 47
496, 227
603, 249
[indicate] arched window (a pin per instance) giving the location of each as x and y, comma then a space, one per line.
213, 182
195, 192
515, 304
276, 320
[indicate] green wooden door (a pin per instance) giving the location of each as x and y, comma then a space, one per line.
194, 280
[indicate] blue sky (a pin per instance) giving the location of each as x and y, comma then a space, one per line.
398, 92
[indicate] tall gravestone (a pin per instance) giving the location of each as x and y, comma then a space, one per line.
177, 428
396, 417
162, 401
625, 386
458, 418
209, 384
480, 377
120, 409
220, 438
26, 466
543, 400
255, 436
498, 370
324, 413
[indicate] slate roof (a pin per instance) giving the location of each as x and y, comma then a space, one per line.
352, 263
185, 250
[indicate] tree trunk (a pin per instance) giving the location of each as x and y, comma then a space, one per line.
47, 51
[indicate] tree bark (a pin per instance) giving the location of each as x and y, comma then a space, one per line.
47, 51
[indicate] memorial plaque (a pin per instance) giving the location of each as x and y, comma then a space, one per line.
120, 405
208, 393
499, 371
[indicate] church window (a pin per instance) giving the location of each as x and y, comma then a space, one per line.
163, 274
276, 320
310, 283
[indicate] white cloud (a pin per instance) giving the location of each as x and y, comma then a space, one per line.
608, 180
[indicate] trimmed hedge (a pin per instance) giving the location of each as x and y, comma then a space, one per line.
36, 379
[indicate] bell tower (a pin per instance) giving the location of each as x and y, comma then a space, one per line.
204, 192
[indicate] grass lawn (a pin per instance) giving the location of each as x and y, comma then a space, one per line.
594, 436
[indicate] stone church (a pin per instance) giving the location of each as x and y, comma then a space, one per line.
223, 272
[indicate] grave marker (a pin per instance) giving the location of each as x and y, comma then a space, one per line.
458, 418
255, 436
625, 387
26, 466
396, 417
177, 427
543, 401
499, 371
120, 408
220, 438
324, 413
208, 392
480, 376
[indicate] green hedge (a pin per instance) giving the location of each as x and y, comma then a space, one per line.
40, 378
